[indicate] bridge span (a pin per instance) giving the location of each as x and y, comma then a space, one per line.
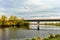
40, 20
35, 20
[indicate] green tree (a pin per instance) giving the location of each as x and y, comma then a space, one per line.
13, 21
3, 21
20, 22
13, 18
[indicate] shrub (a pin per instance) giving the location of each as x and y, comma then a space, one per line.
38, 38
51, 36
26, 25
46, 39
57, 35
27, 39
33, 39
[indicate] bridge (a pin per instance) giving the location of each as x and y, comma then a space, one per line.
34, 20
40, 20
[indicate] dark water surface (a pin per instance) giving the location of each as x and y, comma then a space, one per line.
17, 34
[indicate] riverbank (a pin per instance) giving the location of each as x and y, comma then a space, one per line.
53, 24
50, 37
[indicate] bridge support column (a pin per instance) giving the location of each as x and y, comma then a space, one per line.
38, 25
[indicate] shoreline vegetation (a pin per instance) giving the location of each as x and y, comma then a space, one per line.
50, 37
53, 24
13, 22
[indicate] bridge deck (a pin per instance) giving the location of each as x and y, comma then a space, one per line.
42, 20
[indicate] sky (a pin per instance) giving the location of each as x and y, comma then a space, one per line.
30, 8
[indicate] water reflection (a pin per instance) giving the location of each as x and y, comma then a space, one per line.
17, 34
7, 33
1, 34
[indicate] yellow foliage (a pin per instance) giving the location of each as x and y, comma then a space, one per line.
38, 38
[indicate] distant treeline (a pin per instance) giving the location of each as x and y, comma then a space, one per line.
12, 21
55, 24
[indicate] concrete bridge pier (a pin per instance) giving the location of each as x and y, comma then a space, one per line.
38, 25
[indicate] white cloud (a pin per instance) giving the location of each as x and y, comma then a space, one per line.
2, 9
40, 5
43, 4
22, 9
31, 7
34, 2
25, 9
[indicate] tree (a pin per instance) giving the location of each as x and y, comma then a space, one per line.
13, 18
0, 23
13, 21
26, 25
20, 22
3, 20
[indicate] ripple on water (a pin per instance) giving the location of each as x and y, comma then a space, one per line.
17, 34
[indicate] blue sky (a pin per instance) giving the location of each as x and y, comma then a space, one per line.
30, 8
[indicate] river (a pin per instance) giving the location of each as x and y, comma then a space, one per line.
17, 34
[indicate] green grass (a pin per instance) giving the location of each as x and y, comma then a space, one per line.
52, 37
58, 38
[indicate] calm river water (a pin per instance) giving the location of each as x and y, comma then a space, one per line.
17, 34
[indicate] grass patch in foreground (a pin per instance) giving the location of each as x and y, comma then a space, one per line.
53, 37
58, 38
50, 37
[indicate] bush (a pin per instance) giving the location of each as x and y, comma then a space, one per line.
57, 35
33, 39
46, 39
27, 39
38, 38
51, 36
26, 25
